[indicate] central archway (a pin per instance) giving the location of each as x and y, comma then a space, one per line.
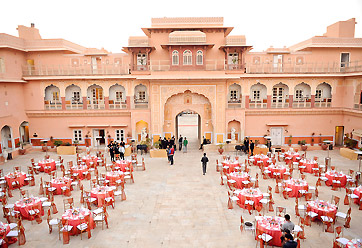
193, 110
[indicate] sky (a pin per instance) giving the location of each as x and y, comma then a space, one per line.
108, 23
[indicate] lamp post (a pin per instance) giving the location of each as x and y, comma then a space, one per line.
328, 159
45, 142
359, 157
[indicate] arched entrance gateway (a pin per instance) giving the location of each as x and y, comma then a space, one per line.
188, 114
6, 138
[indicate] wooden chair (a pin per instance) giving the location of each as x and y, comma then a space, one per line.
24, 193
328, 221
335, 200
280, 211
83, 227
68, 203
101, 216
52, 222
65, 230
19, 233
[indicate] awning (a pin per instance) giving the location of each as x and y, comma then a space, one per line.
357, 132
75, 126
277, 124
99, 125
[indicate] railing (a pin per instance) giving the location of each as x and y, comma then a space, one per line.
117, 104
96, 104
323, 102
140, 103
256, 104
278, 102
73, 105
358, 106
68, 70
302, 103
318, 67
52, 104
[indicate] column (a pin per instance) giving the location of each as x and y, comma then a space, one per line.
246, 102
312, 101
290, 101
106, 102
63, 103
84, 102
269, 101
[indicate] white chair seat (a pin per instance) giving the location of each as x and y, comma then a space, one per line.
297, 228
245, 182
46, 204
42, 199
92, 199
117, 193
353, 196
266, 195
341, 215
326, 219
13, 233
82, 226
311, 187
231, 181
54, 222
225, 167
267, 171
312, 214
288, 189
98, 211
12, 225
324, 178
302, 167
302, 191
66, 228
343, 241
302, 207
224, 177
108, 199
336, 181
234, 198
265, 237
9, 206
237, 191
98, 218
249, 202
74, 183
264, 201
126, 173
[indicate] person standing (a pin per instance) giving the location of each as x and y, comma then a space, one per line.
172, 142
185, 144
180, 141
246, 143
252, 147
172, 152
269, 145
121, 151
111, 151
204, 161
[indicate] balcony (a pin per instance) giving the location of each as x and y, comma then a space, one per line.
302, 103
96, 104
292, 68
323, 103
52, 104
70, 105
234, 103
68, 70
258, 104
140, 103
358, 106
278, 102
117, 104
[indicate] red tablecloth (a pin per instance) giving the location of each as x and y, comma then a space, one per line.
73, 217
309, 165
358, 191
26, 204
321, 208
274, 168
271, 225
231, 164
47, 163
4, 230
250, 194
261, 157
59, 182
353, 243
296, 185
90, 158
291, 155
122, 164
334, 175
15, 176
79, 169
113, 176
239, 177
101, 193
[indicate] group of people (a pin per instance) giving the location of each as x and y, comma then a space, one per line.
116, 149
249, 145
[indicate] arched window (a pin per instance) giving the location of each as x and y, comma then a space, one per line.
199, 57
187, 55
175, 58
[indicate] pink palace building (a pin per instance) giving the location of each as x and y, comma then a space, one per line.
56, 90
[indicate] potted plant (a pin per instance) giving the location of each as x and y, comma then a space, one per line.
51, 139
312, 141
290, 140
221, 148
157, 144
324, 145
57, 142
21, 149
302, 145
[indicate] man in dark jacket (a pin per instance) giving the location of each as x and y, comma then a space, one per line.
111, 150
290, 243
252, 148
180, 141
246, 143
204, 161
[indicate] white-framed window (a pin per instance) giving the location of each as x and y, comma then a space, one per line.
175, 58
233, 58
318, 94
119, 96
77, 135
141, 59
344, 59
2, 65
256, 95
119, 135
55, 95
187, 57
233, 94
199, 57
76, 96
142, 95
299, 94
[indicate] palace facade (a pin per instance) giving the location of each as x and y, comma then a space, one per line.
56, 90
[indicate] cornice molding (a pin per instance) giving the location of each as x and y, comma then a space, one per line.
99, 113
288, 111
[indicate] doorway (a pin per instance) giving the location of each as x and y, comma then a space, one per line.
276, 134
188, 125
24, 132
339, 135
99, 137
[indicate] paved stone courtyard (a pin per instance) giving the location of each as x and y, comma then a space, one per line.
176, 206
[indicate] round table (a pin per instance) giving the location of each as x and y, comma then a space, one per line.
250, 194
271, 225
101, 193
291, 156
354, 243
46, 164
358, 192
261, 157
79, 169
60, 182
4, 230
334, 175
309, 165
15, 176
122, 164
276, 169
113, 176
90, 158
295, 185
321, 208
239, 177
74, 217
26, 204
231, 164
